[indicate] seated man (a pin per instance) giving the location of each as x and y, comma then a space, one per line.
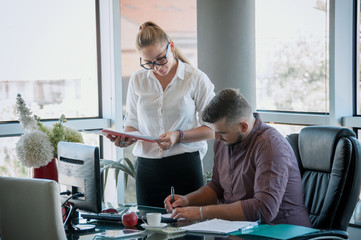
255, 172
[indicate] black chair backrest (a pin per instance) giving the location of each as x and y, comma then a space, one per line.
330, 164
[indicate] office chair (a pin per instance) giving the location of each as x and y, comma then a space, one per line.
329, 159
30, 209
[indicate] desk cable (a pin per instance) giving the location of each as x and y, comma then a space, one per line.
73, 196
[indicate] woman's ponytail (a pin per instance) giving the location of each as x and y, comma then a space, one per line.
150, 34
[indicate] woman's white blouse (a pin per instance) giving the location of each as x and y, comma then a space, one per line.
153, 111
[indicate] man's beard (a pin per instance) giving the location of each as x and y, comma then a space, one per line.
239, 139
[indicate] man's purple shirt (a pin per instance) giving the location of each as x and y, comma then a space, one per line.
263, 173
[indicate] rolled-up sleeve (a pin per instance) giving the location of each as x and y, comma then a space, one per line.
271, 177
131, 118
214, 184
203, 95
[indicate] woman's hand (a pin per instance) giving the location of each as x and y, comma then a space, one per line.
121, 141
168, 139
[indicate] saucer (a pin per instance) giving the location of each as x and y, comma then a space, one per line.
146, 226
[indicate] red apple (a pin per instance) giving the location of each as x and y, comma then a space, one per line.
130, 219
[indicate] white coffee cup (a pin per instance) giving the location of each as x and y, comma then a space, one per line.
153, 219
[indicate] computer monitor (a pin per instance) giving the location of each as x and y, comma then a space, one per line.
79, 172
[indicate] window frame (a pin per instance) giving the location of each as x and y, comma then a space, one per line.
109, 110
13, 128
344, 64
341, 33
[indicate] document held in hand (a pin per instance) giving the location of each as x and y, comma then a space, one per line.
220, 226
136, 135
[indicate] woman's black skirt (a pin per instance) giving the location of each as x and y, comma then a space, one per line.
155, 177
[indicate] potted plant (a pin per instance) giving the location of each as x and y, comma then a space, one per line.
123, 164
37, 147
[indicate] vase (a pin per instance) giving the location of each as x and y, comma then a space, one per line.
49, 171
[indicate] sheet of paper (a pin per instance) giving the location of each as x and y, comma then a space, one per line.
219, 226
167, 215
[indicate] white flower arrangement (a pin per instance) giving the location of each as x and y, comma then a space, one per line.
38, 146
34, 149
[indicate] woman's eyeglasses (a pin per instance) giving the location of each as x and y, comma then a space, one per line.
160, 61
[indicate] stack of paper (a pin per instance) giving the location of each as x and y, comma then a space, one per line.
219, 226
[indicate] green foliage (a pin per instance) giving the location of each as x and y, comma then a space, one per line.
59, 133
124, 165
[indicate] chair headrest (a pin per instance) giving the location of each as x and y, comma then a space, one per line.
317, 145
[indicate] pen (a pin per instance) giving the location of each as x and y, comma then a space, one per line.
248, 228
252, 225
172, 194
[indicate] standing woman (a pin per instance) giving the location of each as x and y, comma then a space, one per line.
165, 100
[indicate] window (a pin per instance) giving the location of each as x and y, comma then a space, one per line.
292, 55
286, 129
182, 30
48, 55
8, 165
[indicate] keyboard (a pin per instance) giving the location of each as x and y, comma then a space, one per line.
168, 230
118, 217
103, 216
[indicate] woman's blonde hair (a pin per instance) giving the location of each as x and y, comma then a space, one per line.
151, 34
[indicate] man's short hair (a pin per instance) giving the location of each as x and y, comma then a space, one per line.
228, 103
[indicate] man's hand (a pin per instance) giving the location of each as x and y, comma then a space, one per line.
168, 139
179, 201
189, 213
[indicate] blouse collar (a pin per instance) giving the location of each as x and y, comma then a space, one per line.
179, 73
